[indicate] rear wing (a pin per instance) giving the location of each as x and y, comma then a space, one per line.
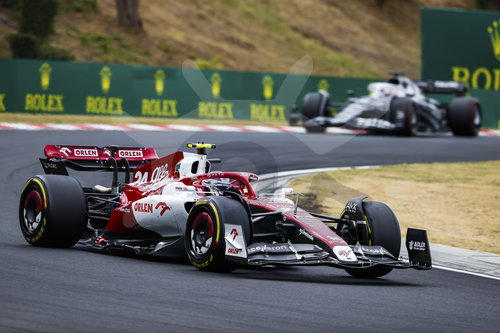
442, 87
92, 158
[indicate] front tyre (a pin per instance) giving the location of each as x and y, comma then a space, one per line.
383, 230
403, 113
52, 211
205, 230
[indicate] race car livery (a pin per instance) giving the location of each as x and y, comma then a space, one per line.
398, 106
175, 205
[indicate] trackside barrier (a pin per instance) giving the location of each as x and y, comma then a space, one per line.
464, 45
53, 87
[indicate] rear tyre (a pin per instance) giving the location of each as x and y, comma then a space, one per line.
314, 105
403, 113
465, 117
52, 211
383, 230
205, 230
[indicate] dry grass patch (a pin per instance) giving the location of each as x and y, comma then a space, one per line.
457, 203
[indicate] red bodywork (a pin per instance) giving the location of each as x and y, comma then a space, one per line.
151, 178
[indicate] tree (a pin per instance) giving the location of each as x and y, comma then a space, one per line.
128, 14
37, 17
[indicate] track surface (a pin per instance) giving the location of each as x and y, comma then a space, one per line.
54, 290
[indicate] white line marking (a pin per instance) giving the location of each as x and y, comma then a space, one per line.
466, 272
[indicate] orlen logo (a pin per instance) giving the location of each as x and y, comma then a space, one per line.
164, 207
232, 251
234, 232
130, 153
143, 207
85, 152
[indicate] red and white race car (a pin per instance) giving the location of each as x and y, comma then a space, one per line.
176, 205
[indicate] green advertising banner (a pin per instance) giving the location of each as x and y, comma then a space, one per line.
52, 87
464, 46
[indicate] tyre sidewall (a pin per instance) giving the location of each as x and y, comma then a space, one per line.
461, 115
383, 230
410, 111
64, 215
209, 260
222, 210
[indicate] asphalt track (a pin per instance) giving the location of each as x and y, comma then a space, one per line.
76, 290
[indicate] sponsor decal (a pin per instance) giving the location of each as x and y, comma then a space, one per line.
234, 232
373, 122
44, 102
270, 248
233, 251
482, 77
105, 79
495, 39
143, 207
323, 85
446, 84
2, 105
351, 207
157, 174
235, 243
265, 112
45, 71
65, 151
181, 188
159, 77
130, 153
344, 253
215, 79
416, 246
163, 206
373, 250
306, 234
85, 152
123, 209
267, 85
159, 107
214, 110
49, 165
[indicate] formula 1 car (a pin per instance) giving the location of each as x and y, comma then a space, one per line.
398, 106
176, 205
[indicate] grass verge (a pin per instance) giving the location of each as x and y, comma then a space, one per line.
457, 203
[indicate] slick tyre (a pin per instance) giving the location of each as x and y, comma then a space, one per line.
205, 230
52, 211
465, 117
403, 113
383, 230
314, 105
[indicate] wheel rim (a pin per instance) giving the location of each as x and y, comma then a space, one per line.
32, 212
201, 234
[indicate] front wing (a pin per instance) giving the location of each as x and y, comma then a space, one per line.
261, 254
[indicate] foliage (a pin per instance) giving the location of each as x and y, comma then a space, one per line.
12, 4
488, 4
54, 53
24, 45
214, 63
37, 17
83, 6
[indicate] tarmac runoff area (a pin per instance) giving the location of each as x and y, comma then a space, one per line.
445, 257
